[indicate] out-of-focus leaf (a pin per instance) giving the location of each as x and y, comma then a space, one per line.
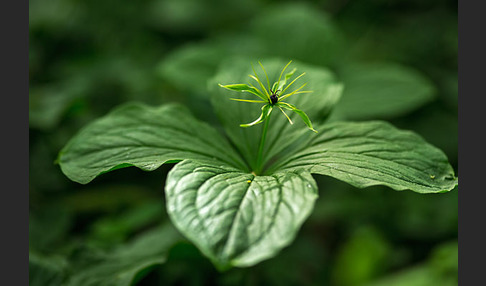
108, 198
53, 15
440, 269
448, 85
115, 229
128, 263
362, 258
444, 260
401, 215
236, 218
184, 257
193, 17
44, 175
306, 262
422, 35
49, 226
424, 218
47, 270
298, 31
381, 90
185, 16
189, 67
48, 104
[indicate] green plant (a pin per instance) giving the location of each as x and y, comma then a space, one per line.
242, 198
271, 97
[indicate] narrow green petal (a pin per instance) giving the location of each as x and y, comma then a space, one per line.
281, 73
244, 88
287, 77
294, 92
290, 120
235, 87
293, 82
301, 113
274, 87
248, 100
266, 75
259, 82
261, 94
261, 85
266, 110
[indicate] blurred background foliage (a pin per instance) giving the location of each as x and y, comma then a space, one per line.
397, 59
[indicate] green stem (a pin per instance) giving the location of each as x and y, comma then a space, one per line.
262, 144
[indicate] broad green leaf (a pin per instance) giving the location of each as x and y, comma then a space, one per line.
144, 137
381, 90
236, 218
373, 153
437, 125
129, 262
317, 105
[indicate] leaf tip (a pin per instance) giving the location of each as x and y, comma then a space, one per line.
224, 86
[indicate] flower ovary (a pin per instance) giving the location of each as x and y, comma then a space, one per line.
273, 98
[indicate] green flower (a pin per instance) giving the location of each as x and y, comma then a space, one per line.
272, 96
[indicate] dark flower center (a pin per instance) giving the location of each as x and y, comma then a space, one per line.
274, 98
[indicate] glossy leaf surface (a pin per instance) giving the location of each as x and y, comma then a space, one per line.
236, 218
144, 137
